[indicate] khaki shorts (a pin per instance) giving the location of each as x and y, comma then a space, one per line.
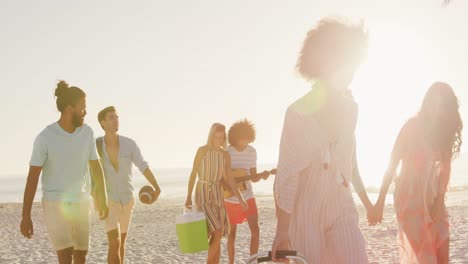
120, 216
67, 224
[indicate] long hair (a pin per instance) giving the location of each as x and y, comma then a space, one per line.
445, 126
217, 127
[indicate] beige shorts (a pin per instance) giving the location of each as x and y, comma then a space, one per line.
120, 216
67, 224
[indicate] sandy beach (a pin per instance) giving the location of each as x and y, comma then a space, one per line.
152, 237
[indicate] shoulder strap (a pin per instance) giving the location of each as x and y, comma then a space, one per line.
203, 153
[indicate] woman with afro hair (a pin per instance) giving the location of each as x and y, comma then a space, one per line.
317, 159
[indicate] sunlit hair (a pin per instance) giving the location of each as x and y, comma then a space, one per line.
331, 44
67, 96
216, 127
243, 129
446, 127
103, 113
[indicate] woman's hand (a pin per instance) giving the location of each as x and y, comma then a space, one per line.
372, 216
188, 203
281, 242
377, 215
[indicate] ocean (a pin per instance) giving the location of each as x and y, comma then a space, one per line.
173, 183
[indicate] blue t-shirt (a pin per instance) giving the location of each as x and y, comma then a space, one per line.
64, 160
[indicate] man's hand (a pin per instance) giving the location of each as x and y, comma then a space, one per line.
101, 207
156, 193
27, 228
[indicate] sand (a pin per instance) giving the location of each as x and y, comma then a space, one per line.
152, 237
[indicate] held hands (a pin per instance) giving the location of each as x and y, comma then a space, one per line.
375, 213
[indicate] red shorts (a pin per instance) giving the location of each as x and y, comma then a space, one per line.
235, 213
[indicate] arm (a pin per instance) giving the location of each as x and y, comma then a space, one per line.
193, 176
438, 208
387, 180
444, 176
281, 241
97, 176
38, 159
152, 180
29, 194
143, 166
253, 169
364, 199
228, 178
359, 185
396, 156
257, 178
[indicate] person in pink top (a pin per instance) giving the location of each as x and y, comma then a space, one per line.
425, 147
317, 160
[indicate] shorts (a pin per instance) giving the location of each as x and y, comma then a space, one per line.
67, 224
235, 213
120, 216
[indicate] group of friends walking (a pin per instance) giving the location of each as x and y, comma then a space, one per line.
316, 167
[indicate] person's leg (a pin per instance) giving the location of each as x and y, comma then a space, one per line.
123, 239
65, 256
254, 233
443, 252
235, 215
214, 248
113, 253
79, 256
80, 222
125, 220
113, 232
59, 229
231, 243
252, 219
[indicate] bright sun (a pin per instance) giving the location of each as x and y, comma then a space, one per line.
389, 88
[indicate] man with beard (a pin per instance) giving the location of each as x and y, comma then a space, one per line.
65, 152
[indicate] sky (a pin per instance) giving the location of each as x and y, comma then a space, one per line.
172, 68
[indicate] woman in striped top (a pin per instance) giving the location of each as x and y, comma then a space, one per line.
316, 212
213, 166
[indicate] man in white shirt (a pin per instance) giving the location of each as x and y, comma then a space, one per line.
243, 157
118, 154
64, 152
